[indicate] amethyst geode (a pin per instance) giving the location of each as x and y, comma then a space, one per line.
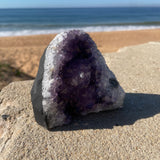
73, 78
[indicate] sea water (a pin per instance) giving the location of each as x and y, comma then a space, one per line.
15, 22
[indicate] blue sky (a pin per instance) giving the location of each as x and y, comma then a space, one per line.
75, 3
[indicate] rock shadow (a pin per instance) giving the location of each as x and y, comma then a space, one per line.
10, 74
136, 106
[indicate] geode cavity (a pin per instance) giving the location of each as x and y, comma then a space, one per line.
73, 78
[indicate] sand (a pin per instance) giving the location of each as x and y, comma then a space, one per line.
23, 53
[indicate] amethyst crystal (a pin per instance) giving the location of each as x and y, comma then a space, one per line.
73, 78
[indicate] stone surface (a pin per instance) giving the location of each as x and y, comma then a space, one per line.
128, 133
72, 79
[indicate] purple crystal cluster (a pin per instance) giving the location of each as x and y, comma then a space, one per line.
73, 78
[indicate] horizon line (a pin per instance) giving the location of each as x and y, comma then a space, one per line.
158, 6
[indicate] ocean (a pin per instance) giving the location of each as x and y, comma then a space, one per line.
16, 22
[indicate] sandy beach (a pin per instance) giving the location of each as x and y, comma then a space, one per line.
22, 53
106, 41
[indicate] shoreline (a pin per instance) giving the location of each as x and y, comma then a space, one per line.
91, 29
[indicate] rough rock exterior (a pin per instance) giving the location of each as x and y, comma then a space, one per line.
73, 78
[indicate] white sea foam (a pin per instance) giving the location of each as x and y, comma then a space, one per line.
86, 29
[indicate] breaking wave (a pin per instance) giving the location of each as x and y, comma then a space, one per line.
21, 32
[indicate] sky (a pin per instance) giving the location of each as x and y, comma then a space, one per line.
75, 3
